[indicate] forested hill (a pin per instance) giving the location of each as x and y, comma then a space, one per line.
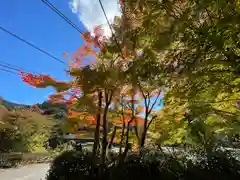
59, 111
11, 105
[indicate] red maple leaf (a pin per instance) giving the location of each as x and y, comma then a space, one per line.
121, 2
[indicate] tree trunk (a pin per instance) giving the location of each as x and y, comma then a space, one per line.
97, 131
122, 136
112, 137
143, 137
127, 146
104, 138
123, 131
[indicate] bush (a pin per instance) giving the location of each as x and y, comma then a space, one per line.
215, 166
71, 165
135, 166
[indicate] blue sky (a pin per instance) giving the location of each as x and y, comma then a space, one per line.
35, 22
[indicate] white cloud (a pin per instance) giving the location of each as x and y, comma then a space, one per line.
91, 14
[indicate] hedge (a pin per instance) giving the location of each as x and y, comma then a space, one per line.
215, 166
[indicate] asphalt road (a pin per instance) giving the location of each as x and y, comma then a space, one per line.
29, 172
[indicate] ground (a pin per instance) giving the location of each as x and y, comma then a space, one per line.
29, 172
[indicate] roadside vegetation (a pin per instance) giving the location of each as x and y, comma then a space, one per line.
24, 135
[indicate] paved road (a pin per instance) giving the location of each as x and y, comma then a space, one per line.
29, 172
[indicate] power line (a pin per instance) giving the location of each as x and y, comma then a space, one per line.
115, 39
8, 71
11, 66
5, 66
30, 44
57, 11
14, 68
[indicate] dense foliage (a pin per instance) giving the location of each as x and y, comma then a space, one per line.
24, 129
150, 165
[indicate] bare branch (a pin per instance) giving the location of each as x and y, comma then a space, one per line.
142, 92
106, 95
111, 96
149, 99
154, 102
150, 122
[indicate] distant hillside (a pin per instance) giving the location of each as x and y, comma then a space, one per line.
58, 111
11, 105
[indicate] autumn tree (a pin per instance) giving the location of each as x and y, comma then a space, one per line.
196, 47
93, 89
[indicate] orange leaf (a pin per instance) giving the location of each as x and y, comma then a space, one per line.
73, 114
139, 120
87, 38
134, 101
128, 111
140, 109
65, 54
116, 140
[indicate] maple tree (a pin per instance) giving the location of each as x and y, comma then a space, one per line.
95, 90
70, 92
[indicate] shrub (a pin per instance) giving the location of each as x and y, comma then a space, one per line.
215, 166
135, 166
71, 165
132, 168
